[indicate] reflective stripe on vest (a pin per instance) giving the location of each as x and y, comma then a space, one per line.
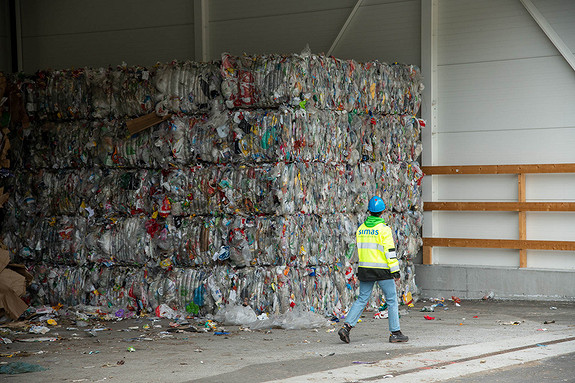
374, 265
371, 245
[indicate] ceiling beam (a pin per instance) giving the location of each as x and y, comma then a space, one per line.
550, 32
345, 25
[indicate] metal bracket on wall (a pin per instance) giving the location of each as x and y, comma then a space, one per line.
550, 32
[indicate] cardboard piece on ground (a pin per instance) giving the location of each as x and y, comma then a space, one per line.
12, 286
141, 123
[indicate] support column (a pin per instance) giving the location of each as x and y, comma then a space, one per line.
429, 17
522, 220
201, 30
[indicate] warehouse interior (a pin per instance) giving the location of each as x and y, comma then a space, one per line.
498, 127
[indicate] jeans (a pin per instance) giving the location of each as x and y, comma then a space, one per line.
365, 288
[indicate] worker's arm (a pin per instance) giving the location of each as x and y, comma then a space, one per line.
390, 255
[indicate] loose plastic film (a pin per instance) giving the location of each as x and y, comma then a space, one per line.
250, 193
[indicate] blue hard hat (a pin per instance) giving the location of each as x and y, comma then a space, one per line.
376, 205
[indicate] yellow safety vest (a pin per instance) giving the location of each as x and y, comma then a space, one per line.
375, 248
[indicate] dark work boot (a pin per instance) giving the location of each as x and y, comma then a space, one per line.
344, 333
397, 337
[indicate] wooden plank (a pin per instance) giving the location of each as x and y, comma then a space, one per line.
500, 243
136, 125
499, 169
500, 206
427, 255
522, 219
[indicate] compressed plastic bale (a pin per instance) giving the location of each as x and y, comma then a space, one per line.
186, 87
132, 91
267, 290
320, 82
181, 241
58, 95
264, 136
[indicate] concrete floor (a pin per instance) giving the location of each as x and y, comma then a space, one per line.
466, 342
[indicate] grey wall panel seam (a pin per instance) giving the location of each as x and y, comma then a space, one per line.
109, 30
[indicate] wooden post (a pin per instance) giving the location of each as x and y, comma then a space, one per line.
427, 255
522, 220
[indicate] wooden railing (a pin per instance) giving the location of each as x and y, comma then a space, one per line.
521, 206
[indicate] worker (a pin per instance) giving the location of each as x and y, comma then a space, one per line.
377, 263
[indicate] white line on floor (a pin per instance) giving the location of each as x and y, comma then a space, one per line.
402, 368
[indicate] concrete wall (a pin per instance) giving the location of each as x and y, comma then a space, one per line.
473, 282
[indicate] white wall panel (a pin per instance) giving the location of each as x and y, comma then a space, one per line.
225, 10
64, 34
498, 30
550, 187
486, 225
426, 230
551, 226
506, 95
382, 30
134, 46
476, 257
277, 33
61, 17
387, 32
558, 260
480, 188
508, 147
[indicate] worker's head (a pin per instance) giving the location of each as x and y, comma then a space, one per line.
376, 206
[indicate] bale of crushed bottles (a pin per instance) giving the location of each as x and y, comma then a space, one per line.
320, 82
250, 193
124, 91
303, 239
250, 136
272, 189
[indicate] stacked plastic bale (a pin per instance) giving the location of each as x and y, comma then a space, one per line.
339, 132
82, 217
251, 198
